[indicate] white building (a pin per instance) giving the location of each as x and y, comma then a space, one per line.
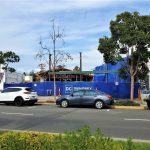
2, 78
13, 77
8, 77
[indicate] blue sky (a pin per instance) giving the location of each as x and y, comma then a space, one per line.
23, 22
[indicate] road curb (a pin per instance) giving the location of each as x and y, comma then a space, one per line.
130, 107
134, 140
49, 102
46, 101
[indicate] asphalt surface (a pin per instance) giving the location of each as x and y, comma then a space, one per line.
51, 118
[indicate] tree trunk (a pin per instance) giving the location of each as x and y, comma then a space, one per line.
132, 88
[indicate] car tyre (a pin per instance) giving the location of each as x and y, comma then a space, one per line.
99, 104
148, 105
64, 104
19, 101
31, 103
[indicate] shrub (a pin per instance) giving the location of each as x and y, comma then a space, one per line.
81, 139
126, 103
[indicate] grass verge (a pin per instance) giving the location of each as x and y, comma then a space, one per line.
81, 139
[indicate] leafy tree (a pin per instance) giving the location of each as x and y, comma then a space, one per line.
130, 37
8, 57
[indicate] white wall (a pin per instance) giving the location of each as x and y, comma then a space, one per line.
13, 77
28, 78
9, 77
3, 79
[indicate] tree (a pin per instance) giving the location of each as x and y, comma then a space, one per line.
58, 56
33, 74
76, 68
60, 67
61, 57
8, 57
130, 37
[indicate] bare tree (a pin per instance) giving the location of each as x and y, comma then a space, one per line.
56, 56
76, 68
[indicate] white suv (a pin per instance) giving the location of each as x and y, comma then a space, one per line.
18, 95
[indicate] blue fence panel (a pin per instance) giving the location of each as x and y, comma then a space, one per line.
69, 87
46, 88
106, 87
18, 85
43, 89
119, 90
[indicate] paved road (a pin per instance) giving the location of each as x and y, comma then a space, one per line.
112, 122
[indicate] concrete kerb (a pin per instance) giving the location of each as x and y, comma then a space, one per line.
130, 107
48, 100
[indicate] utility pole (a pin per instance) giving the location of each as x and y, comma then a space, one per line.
80, 66
50, 62
54, 38
54, 70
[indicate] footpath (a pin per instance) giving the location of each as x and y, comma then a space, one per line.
48, 100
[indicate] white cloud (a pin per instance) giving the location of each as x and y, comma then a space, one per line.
85, 21
80, 33
91, 59
61, 5
40, 6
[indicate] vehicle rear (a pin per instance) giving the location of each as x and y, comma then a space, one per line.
106, 98
29, 95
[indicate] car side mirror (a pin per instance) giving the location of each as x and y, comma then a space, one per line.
72, 94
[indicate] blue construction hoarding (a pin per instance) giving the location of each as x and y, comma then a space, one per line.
107, 81
112, 76
116, 89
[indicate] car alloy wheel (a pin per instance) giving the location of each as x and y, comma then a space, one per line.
19, 101
64, 103
99, 104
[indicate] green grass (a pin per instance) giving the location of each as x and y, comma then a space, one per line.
142, 146
81, 139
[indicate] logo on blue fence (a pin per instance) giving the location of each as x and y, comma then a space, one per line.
68, 88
